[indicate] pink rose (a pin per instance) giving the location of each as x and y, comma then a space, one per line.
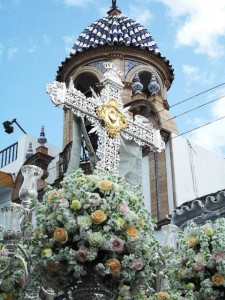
123, 208
63, 203
218, 256
183, 260
4, 252
137, 264
116, 244
81, 254
199, 266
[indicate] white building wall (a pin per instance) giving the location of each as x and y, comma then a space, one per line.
198, 172
23, 146
169, 178
146, 182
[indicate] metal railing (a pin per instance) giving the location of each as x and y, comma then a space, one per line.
64, 156
8, 155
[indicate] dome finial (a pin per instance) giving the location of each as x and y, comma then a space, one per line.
29, 151
114, 9
114, 4
42, 139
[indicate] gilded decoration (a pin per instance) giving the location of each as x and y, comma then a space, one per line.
112, 118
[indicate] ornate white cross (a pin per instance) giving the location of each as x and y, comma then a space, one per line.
108, 116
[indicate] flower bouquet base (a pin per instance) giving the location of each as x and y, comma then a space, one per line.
92, 287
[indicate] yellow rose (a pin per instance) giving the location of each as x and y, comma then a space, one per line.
180, 274
51, 196
142, 222
190, 286
192, 241
46, 251
199, 257
121, 221
217, 279
133, 199
60, 235
76, 205
98, 216
132, 232
163, 296
209, 231
60, 194
114, 265
105, 185
80, 180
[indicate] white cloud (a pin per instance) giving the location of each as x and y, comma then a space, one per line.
77, 2
32, 49
69, 42
140, 14
192, 73
212, 137
200, 24
12, 52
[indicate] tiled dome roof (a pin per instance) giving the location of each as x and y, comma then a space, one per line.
115, 30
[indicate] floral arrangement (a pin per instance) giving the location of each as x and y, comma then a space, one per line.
13, 283
197, 268
96, 220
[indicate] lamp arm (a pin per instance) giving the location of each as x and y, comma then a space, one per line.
26, 255
47, 293
14, 121
161, 266
25, 267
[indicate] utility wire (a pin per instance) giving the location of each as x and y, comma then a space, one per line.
208, 123
196, 95
192, 109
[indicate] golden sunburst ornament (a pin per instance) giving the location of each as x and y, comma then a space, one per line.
113, 119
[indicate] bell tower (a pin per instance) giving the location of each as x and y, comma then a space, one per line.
147, 77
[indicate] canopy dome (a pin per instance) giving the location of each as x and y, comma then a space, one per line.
115, 30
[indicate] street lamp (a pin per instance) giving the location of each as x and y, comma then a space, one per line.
9, 128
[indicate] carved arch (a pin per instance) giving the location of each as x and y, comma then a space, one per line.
146, 68
145, 109
88, 69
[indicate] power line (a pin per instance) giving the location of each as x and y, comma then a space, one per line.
196, 95
208, 123
192, 109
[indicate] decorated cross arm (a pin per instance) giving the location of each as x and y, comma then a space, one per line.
72, 99
109, 118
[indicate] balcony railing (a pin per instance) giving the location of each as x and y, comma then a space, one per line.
64, 156
8, 155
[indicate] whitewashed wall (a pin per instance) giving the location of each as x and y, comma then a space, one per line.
198, 172
23, 146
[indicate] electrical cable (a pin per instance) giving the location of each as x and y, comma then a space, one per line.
208, 123
196, 95
192, 109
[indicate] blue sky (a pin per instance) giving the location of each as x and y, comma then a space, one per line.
36, 36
